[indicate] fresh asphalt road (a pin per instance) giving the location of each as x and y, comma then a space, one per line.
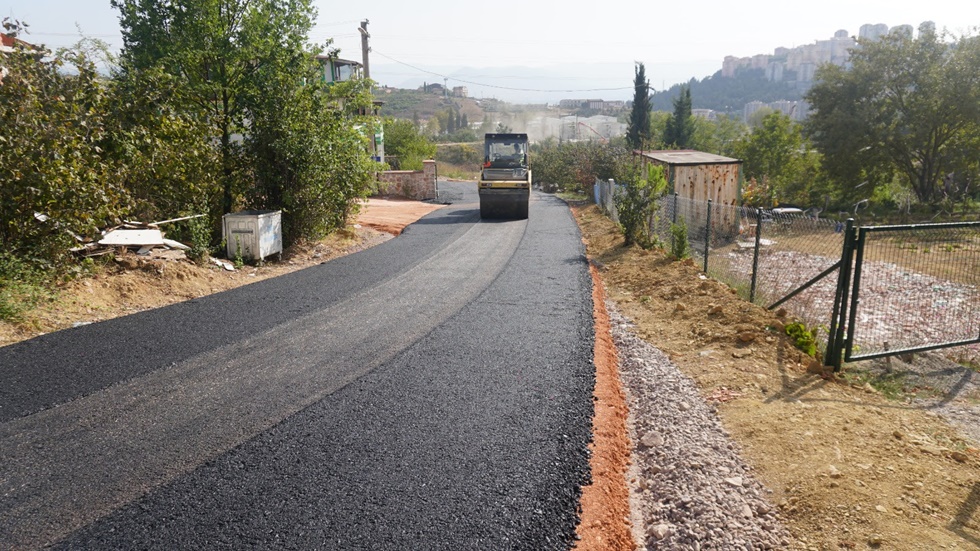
433, 392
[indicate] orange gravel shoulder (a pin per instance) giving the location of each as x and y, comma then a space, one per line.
392, 215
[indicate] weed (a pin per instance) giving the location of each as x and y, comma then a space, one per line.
679, 247
22, 287
200, 238
803, 338
889, 385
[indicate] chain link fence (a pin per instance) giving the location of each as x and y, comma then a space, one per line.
770, 257
914, 287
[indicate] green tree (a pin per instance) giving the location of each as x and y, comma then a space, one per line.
906, 106
57, 181
218, 47
404, 141
778, 155
308, 149
635, 201
680, 126
170, 163
638, 129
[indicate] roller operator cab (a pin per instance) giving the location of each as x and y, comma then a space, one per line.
505, 181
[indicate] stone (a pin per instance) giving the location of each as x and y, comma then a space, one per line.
746, 511
959, 456
744, 353
735, 481
815, 367
746, 336
652, 439
660, 531
714, 309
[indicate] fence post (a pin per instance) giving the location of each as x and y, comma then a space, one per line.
707, 237
856, 286
755, 253
838, 318
673, 222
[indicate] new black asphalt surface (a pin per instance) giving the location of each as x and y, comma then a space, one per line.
433, 392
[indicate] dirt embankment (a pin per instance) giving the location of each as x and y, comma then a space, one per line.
845, 467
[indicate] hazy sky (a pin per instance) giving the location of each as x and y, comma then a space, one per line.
677, 40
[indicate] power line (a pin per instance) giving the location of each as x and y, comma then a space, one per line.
440, 75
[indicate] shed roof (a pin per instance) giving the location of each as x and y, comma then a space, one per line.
688, 157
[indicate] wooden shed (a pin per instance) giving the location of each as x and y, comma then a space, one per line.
697, 177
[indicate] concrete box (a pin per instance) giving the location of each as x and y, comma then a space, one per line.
252, 234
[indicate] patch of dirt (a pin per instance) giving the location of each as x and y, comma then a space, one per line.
392, 215
847, 467
605, 523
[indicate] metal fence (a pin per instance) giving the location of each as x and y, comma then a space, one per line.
771, 258
903, 288
912, 288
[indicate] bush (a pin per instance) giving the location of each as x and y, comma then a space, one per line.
679, 246
22, 286
803, 338
460, 154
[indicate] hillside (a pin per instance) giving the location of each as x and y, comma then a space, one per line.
728, 95
407, 104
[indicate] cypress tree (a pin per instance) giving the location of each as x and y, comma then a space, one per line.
679, 131
638, 132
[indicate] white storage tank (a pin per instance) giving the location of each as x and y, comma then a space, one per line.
252, 234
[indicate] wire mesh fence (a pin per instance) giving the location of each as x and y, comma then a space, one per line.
765, 255
916, 287
605, 196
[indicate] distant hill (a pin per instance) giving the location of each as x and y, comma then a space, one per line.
728, 95
406, 104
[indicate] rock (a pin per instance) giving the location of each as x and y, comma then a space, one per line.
781, 313
746, 511
880, 509
876, 540
833, 472
815, 367
679, 307
735, 481
746, 336
778, 326
683, 406
959, 456
714, 309
652, 439
660, 531
744, 353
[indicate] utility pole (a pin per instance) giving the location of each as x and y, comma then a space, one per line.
365, 48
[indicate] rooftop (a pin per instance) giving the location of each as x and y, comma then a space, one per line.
687, 157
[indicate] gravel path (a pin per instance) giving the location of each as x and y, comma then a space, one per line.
690, 488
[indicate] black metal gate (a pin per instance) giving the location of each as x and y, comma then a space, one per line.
905, 288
